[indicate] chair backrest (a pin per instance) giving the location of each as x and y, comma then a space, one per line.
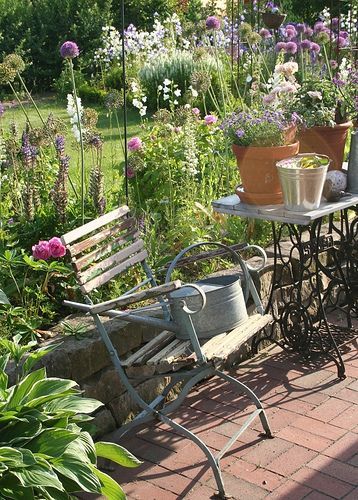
104, 248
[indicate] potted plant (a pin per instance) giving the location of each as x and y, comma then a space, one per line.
325, 123
272, 16
259, 140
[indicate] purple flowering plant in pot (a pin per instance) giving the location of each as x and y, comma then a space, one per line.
272, 15
259, 139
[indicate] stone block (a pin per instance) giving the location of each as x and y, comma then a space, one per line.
104, 386
103, 422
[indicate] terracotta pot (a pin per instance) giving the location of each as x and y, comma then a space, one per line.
258, 172
273, 21
328, 141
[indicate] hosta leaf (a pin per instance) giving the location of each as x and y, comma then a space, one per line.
48, 387
79, 472
52, 442
117, 454
18, 493
18, 432
3, 298
4, 361
110, 488
74, 403
53, 494
34, 357
27, 457
88, 446
10, 455
38, 475
20, 393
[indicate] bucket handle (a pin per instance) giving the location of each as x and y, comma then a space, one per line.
202, 295
245, 267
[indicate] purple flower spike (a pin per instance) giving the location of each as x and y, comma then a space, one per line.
291, 47
306, 45
69, 50
315, 47
280, 46
213, 23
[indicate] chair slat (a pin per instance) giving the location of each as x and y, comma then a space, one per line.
111, 273
164, 352
105, 219
88, 258
149, 349
109, 262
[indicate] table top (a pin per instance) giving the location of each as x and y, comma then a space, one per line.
233, 206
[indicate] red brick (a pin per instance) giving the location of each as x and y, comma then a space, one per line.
318, 427
353, 386
344, 448
313, 379
200, 493
334, 385
277, 418
165, 439
168, 480
266, 451
316, 495
294, 405
329, 410
334, 468
235, 486
291, 460
304, 438
347, 394
144, 490
322, 482
290, 490
348, 419
256, 475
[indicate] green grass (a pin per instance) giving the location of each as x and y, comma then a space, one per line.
112, 149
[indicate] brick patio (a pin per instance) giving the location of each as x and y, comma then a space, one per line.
314, 454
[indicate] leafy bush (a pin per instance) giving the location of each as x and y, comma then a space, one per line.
114, 78
63, 84
91, 95
45, 449
140, 12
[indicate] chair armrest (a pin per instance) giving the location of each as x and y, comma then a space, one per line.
132, 298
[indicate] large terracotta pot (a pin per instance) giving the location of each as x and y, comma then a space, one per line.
273, 21
257, 166
328, 141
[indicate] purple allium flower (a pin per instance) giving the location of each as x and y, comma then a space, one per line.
280, 46
69, 50
300, 28
135, 144
308, 31
341, 42
265, 33
60, 145
210, 119
291, 47
335, 22
343, 34
213, 23
306, 44
319, 26
315, 47
290, 33
2, 109
196, 111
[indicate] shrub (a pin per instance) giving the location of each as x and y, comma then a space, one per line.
63, 84
45, 449
91, 94
114, 78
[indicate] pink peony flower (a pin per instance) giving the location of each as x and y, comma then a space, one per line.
41, 251
57, 249
135, 144
210, 119
196, 111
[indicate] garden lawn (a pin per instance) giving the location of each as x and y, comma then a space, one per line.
112, 150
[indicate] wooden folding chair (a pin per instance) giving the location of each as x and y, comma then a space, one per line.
103, 249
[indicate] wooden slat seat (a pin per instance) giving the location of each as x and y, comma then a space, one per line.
166, 354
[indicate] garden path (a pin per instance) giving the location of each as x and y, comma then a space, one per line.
314, 454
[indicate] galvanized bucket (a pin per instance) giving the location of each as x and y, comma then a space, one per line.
225, 298
302, 188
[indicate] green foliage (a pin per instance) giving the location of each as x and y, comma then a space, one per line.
91, 95
45, 451
140, 12
63, 84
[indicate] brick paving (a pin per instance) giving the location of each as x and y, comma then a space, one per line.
314, 454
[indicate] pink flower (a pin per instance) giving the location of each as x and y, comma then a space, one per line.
41, 251
210, 119
196, 111
130, 173
135, 144
57, 248
264, 33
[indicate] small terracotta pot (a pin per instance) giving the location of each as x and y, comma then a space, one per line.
258, 171
273, 21
329, 141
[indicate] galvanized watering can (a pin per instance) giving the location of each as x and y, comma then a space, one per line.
216, 304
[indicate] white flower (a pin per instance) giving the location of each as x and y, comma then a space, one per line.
143, 111
314, 94
144, 98
177, 92
160, 87
194, 92
76, 133
176, 102
165, 97
166, 90
136, 103
167, 82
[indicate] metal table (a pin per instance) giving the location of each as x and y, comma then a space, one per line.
318, 273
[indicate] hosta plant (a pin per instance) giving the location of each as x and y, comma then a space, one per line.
45, 451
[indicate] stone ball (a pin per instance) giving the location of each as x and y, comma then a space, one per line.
335, 184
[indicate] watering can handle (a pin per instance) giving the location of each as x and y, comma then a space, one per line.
202, 295
245, 268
